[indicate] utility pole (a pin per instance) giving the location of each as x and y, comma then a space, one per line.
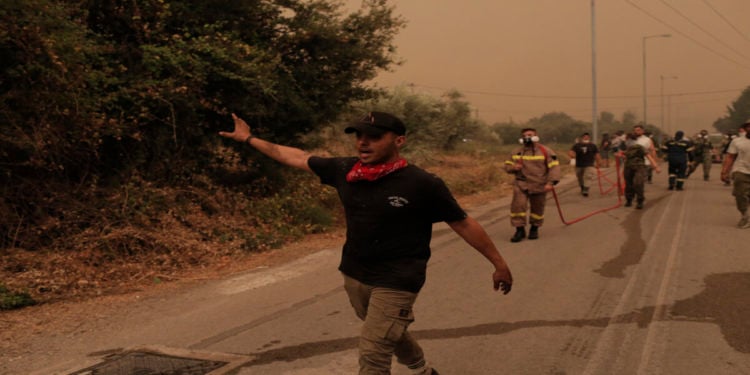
645, 95
594, 110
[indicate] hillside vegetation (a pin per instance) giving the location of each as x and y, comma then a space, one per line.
191, 233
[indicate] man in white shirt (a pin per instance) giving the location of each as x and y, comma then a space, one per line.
736, 168
645, 142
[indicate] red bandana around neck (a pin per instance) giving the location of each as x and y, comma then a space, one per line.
368, 172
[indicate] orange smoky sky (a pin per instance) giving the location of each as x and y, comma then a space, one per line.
518, 59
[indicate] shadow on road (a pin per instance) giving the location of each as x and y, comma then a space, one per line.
722, 302
632, 249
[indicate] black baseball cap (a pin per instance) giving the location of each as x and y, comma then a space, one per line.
377, 123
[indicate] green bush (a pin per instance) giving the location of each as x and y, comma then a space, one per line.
10, 300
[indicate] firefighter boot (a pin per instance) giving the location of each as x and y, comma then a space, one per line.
533, 232
520, 234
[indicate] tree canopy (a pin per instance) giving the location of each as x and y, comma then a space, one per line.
93, 93
737, 113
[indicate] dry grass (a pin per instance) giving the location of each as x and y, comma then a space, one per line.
181, 250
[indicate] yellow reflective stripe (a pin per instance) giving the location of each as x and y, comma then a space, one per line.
537, 217
528, 157
553, 163
509, 162
517, 214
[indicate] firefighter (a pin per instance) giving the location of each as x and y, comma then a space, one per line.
537, 170
677, 151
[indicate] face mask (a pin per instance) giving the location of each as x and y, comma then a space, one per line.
586, 141
528, 140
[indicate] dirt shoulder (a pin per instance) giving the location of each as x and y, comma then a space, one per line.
65, 316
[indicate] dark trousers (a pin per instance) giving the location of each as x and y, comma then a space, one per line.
677, 171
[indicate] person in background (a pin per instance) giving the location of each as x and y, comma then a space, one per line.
390, 206
647, 143
635, 171
677, 150
702, 154
654, 148
728, 137
604, 148
618, 141
736, 168
618, 145
587, 159
536, 170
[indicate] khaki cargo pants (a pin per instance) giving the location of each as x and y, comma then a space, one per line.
741, 191
387, 314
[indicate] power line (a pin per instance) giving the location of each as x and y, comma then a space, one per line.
687, 36
702, 29
727, 21
588, 110
534, 96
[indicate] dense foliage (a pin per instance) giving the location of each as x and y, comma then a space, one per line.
559, 127
737, 114
103, 102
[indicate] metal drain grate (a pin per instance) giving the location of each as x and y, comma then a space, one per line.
144, 363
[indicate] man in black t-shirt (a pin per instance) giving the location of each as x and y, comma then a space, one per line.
390, 207
587, 159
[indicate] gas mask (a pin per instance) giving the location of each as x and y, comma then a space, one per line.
528, 140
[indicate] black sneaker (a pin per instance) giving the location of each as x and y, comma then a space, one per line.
520, 234
628, 203
670, 187
639, 205
434, 372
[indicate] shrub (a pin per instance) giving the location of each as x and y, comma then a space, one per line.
10, 300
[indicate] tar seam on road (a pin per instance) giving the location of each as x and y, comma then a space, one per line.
660, 309
205, 343
601, 349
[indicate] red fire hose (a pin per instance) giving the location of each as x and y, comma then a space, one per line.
600, 176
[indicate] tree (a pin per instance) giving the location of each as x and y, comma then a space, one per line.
431, 122
558, 127
737, 113
629, 119
508, 132
606, 118
96, 93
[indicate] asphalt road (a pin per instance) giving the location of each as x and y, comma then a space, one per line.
663, 290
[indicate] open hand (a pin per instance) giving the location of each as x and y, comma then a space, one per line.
241, 130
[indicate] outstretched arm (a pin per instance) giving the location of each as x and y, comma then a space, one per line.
473, 233
286, 155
